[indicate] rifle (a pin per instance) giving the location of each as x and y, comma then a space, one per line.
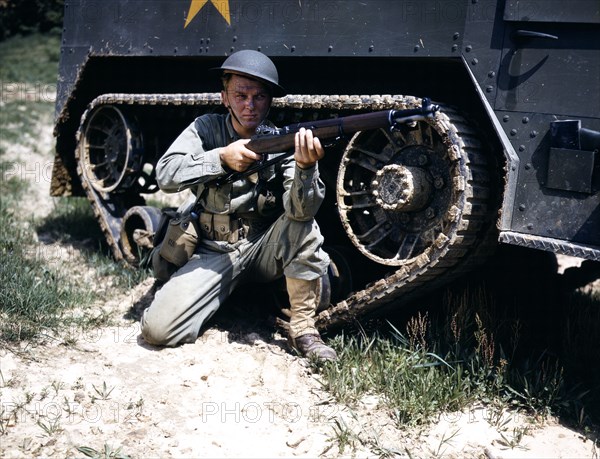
277, 140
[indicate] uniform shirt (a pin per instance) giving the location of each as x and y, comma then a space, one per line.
193, 159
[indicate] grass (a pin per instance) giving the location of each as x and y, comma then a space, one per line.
20, 121
30, 58
40, 297
33, 297
473, 346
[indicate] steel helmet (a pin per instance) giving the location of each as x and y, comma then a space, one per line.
255, 64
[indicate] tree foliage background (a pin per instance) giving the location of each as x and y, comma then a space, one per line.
28, 16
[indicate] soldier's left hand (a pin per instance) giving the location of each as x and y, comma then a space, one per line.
308, 149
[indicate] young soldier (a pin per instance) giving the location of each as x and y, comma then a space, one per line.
258, 228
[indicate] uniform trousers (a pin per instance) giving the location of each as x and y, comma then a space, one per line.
196, 291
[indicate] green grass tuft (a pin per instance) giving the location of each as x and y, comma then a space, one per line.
473, 347
34, 297
30, 58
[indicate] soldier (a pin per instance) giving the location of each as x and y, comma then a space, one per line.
258, 228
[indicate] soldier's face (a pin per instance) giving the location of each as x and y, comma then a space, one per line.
249, 100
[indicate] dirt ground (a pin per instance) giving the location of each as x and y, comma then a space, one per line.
236, 392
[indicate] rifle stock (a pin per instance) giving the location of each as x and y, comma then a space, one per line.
282, 140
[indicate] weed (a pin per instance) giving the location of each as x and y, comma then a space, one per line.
44, 393
7, 383
103, 392
57, 386
513, 441
68, 407
52, 427
344, 436
445, 440
107, 453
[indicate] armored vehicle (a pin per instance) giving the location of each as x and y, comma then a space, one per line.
511, 157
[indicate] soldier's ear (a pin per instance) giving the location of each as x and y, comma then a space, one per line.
224, 100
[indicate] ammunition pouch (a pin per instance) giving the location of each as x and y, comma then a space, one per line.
180, 239
223, 227
167, 214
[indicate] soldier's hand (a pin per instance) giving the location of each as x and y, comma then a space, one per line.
308, 149
237, 157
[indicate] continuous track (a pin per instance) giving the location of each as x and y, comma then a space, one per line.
459, 234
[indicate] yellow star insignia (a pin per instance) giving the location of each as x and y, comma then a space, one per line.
222, 7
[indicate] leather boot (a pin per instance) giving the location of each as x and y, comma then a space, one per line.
310, 345
303, 335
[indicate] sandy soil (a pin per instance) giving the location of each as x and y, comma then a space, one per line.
236, 392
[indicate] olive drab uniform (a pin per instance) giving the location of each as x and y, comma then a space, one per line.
258, 228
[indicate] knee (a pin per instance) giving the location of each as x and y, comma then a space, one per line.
153, 331
159, 330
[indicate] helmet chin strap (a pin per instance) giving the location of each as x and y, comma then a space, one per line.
230, 110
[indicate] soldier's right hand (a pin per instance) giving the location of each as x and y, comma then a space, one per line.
237, 157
